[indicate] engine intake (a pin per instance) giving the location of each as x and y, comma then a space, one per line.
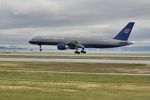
62, 47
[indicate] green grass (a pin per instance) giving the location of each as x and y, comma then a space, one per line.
72, 81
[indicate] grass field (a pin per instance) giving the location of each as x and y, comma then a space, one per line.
73, 81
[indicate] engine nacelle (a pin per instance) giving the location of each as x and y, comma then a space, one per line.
62, 47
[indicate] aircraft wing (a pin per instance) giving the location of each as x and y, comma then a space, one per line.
75, 45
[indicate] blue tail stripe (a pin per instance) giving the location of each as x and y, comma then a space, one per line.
125, 33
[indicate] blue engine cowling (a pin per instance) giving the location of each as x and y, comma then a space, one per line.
61, 46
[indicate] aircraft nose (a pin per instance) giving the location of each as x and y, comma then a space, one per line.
31, 41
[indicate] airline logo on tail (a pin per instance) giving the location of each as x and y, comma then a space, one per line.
127, 31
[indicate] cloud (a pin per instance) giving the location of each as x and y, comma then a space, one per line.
27, 18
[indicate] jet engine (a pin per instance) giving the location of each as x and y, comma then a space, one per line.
62, 46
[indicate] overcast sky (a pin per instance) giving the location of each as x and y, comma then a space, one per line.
20, 20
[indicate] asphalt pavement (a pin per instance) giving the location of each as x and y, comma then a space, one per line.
77, 60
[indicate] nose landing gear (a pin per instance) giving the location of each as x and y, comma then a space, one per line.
40, 47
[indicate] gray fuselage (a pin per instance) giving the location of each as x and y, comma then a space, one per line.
86, 42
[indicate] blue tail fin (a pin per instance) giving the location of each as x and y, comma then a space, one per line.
125, 33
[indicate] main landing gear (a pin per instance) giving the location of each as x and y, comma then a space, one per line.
78, 52
84, 52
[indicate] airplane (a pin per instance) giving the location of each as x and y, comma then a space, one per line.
121, 39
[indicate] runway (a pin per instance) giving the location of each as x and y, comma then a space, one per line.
77, 60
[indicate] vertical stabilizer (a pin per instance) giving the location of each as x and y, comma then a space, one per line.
125, 33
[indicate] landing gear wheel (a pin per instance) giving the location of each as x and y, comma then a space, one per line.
84, 52
40, 47
77, 52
